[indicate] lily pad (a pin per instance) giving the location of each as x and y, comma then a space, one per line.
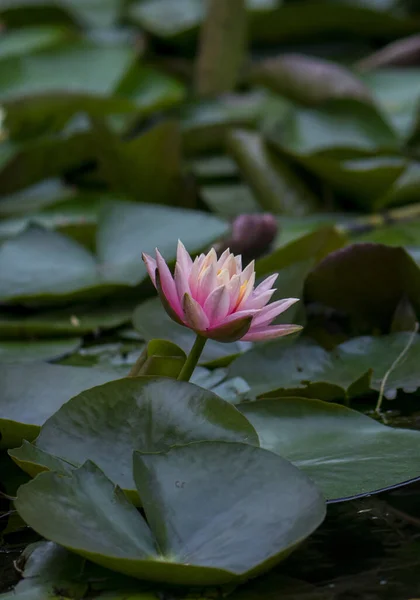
197, 506
353, 368
365, 282
78, 319
348, 127
31, 393
106, 423
151, 321
23, 352
345, 453
40, 265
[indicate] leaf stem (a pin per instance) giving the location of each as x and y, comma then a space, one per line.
392, 367
192, 359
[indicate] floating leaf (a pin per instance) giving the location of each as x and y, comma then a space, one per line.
61, 268
285, 368
345, 453
345, 126
31, 393
105, 424
22, 352
366, 283
309, 80
276, 187
192, 500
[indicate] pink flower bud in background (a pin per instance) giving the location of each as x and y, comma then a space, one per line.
216, 298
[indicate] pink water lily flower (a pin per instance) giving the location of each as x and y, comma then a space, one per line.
216, 298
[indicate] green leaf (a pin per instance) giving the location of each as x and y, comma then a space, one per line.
61, 269
31, 393
26, 40
366, 283
161, 359
95, 70
149, 166
301, 367
151, 321
229, 200
344, 126
196, 506
205, 123
77, 319
396, 91
23, 352
309, 80
314, 245
106, 423
345, 453
276, 187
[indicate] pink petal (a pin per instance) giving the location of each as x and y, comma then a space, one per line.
195, 272
183, 258
233, 288
247, 272
195, 316
223, 258
269, 332
266, 284
270, 312
259, 301
150, 266
217, 305
241, 314
238, 260
181, 282
207, 282
247, 292
168, 284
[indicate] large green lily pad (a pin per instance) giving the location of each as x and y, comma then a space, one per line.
31, 393
366, 282
106, 423
45, 265
23, 352
218, 512
347, 454
355, 367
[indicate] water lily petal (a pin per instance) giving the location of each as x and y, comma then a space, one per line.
270, 312
194, 315
181, 282
259, 301
183, 259
168, 284
150, 266
207, 282
266, 284
217, 305
230, 332
247, 272
269, 332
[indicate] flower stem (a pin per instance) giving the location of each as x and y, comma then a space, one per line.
192, 359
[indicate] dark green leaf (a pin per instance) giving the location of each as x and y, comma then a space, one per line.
105, 424
60, 268
31, 393
366, 283
217, 531
276, 187
23, 352
309, 80
347, 454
